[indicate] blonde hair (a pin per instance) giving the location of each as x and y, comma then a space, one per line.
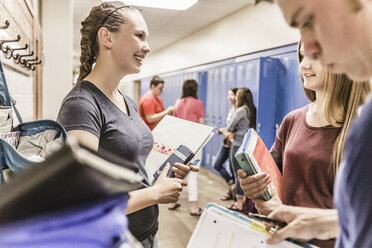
342, 100
105, 15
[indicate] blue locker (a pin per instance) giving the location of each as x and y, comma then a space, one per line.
291, 94
260, 76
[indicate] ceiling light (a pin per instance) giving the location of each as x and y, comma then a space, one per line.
162, 4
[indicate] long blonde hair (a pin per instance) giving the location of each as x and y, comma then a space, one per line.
342, 100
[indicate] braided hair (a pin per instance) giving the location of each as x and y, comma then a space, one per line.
105, 15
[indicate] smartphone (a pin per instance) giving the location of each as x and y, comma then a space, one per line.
264, 218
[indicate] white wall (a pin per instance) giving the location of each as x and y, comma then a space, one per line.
251, 29
57, 18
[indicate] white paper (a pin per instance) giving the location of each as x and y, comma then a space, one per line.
219, 229
170, 133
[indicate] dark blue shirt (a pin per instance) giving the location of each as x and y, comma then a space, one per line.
353, 188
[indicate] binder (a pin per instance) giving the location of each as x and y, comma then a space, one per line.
219, 227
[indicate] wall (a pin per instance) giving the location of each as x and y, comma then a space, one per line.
249, 30
57, 29
23, 18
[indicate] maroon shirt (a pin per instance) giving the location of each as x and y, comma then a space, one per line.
306, 154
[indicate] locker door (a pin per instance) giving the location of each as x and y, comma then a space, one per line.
208, 150
266, 110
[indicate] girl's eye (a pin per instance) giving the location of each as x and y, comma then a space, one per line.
308, 24
139, 36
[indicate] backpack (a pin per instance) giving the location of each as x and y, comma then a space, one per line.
26, 143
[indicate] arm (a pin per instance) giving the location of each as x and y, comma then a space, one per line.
305, 223
158, 116
165, 190
201, 120
238, 115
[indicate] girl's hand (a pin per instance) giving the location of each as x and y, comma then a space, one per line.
266, 207
181, 170
255, 185
168, 189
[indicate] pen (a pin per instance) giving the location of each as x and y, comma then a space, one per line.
266, 219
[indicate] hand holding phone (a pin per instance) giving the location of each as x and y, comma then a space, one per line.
264, 218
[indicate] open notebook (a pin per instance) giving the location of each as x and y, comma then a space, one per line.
219, 227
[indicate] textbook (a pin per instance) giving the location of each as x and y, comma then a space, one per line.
219, 227
71, 177
175, 140
254, 157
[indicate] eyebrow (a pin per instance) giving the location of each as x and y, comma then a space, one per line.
293, 20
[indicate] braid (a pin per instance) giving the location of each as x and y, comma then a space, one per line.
90, 26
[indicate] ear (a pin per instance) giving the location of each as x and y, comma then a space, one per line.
105, 37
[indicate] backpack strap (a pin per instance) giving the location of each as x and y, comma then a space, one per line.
14, 102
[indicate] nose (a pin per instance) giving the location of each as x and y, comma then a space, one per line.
312, 48
146, 47
305, 63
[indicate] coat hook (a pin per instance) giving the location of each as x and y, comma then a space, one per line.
6, 50
7, 23
17, 49
35, 63
23, 61
29, 60
8, 41
22, 56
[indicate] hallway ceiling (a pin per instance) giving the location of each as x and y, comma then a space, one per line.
167, 26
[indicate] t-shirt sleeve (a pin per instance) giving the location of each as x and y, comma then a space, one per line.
78, 113
278, 147
148, 107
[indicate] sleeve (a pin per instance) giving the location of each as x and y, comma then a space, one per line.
78, 113
277, 149
148, 107
237, 116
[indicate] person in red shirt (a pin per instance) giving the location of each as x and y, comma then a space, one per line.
151, 107
188, 107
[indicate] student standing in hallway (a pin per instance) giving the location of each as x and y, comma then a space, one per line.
223, 153
114, 38
151, 107
188, 107
339, 33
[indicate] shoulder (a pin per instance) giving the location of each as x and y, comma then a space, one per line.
296, 114
84, 92
240, 111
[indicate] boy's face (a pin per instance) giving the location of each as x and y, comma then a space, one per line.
335, 32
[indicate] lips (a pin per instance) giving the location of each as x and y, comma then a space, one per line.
308, 74
139, 58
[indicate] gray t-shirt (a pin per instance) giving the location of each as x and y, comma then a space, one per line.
87, 108
239, 124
